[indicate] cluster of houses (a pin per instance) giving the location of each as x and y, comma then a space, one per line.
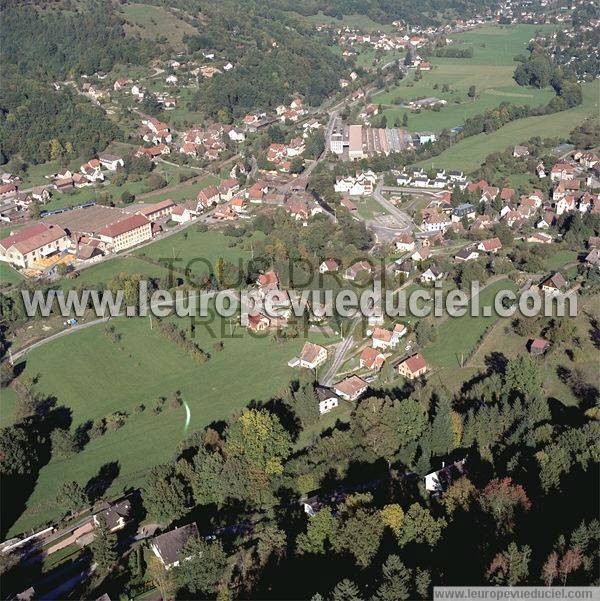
360, 184
443, 179
281, 155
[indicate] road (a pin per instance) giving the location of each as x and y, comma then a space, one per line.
340, 353
404, 219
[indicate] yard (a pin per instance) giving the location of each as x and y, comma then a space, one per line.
94, 377
195, 248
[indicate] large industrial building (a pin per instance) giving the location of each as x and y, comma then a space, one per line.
354, 142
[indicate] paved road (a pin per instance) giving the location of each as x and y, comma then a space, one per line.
403, 219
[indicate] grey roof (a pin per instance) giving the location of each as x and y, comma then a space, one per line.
114, 512
323, 393
170, 544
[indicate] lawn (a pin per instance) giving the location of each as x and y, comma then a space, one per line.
490, 70
457, 336
107, 270
191, 245
362, 22
468, 154
9, 276
93, 377
368, 207
559, 259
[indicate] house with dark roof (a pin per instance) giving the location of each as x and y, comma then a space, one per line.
328, 400
439, 481
114, 516
168, 547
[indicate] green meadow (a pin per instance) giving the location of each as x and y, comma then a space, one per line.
93, 376
468, 154
490, 70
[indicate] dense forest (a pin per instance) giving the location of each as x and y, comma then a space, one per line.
37, 122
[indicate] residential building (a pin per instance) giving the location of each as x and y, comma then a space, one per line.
328, 400
168, 547
351, 388
538, 346
114, 517
312, 355
412, 367
371, 359
110, 161
554, 284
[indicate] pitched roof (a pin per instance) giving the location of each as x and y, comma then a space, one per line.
170, 544
351, 385
158, 206
491, 244
555, 281
33, 237
310, 352
112, 515
382, 334
414, 363
123, 226
372, 358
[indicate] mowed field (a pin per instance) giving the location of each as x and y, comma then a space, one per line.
469, 154
457, 336
144, 20
490, 70
94, 377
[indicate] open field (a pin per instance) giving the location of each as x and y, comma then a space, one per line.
362, 22
468, 154
105, 271
490, 70
156, 22
94, 377
191, 245
458, 336
8, 275
368, 207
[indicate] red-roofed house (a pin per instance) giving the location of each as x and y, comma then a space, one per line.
371, 358
538, 346
312, 355
493, 245
351, 388
413, 367
207, 197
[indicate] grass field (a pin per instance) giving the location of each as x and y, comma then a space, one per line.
457, 336
468, 154
186, 247
104, 272
490, 70
9, 276
93, 377
362, 22
156, 22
